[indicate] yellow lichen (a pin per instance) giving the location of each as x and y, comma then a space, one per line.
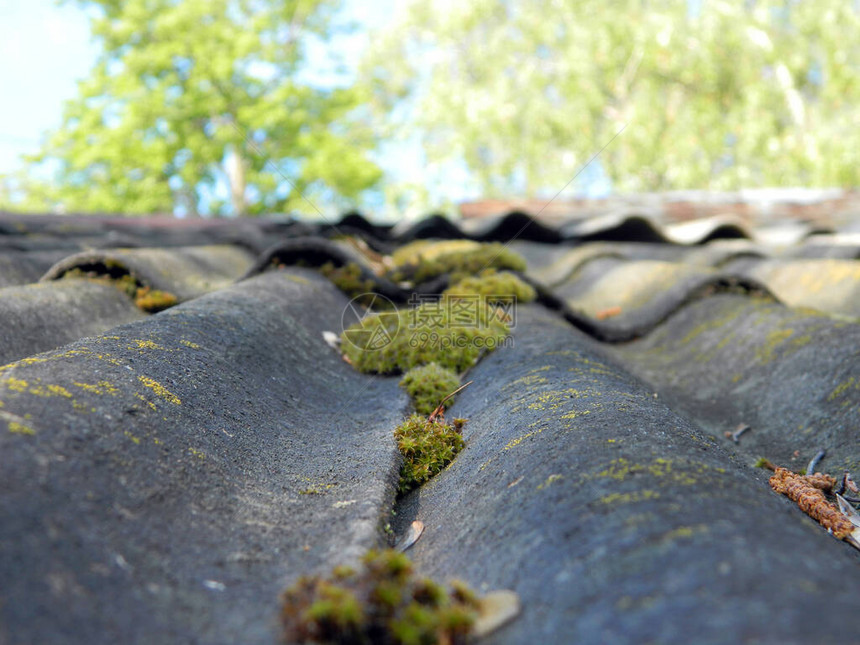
842, 388
620, 469
159, 389
188, 343
575, 414
628, 498
102, 387
296, 278
145, 344
683, 532
16, 427
515, 442
531, 379
49, 391
145, 400
765, 353
16, 385
554, 399
153, 300
550, 481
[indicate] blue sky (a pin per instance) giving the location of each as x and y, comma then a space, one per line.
44, 49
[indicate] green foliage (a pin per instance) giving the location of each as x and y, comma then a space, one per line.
186, 94
458, 258
427, 447
428, 385
718, 95
384, 603
493, 284
394, 342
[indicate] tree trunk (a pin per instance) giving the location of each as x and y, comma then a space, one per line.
235, 169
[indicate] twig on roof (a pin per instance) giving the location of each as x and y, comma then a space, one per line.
813, 463
736, 435
439, 412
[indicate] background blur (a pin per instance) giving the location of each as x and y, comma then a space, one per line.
247, 107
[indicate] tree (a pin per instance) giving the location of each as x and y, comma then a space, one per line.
718, 94
188, 96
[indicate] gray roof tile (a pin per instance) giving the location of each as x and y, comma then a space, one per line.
220, 441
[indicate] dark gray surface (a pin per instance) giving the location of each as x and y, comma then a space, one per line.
175, 451
39, 317
641, 294
554, 265
616, 520
792, 375
23, 267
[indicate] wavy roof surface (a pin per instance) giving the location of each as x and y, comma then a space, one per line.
180, 442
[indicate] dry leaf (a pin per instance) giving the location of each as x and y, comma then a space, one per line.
609, 312
331, 339
411, 537
497, 608
854, 517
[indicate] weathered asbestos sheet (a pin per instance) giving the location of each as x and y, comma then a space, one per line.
20, 267
164, 482
829, 285
185, 272
615, 519
39, 317
792, 375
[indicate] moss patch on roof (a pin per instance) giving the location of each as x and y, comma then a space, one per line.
428, 385
458, 258
427, 447
442, 332
384, 602
493, 287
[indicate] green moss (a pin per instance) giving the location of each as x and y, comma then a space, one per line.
491, 284
428, 385
146, 298
440, 332
458, 258
383, 602
427, 447
764, 463
347, 278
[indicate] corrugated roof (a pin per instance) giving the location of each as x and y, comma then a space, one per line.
165, 475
